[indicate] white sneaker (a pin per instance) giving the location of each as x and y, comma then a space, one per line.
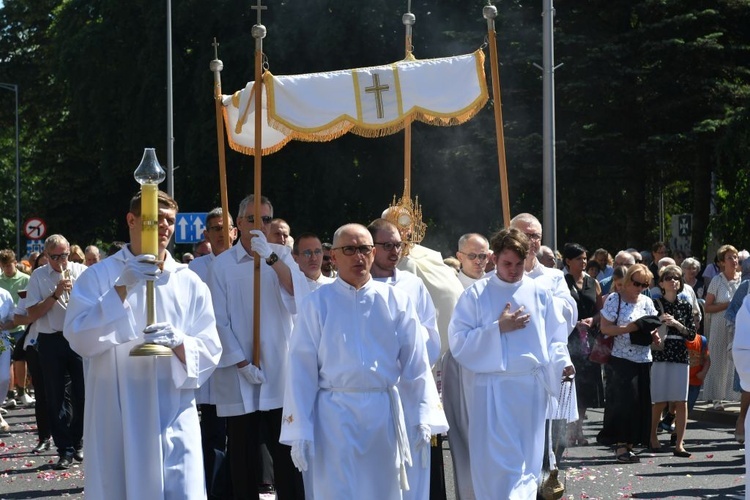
10, 404
4, 426
27, 400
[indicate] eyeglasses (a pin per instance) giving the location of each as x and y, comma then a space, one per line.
534, 236
639, 284
310, 253
351, 250
474, 256
388, 246
58, 256
266, 219
671, 278
218, 229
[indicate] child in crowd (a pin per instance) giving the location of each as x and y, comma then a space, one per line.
700, 362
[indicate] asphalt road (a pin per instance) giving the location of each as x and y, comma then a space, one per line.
715, 470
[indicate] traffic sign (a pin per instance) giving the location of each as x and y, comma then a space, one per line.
34, 246
189, 227
34, 228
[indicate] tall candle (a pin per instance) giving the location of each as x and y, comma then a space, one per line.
150, 219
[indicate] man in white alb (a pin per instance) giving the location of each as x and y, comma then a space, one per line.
504, 330
357, 364
141, 430
473, 252
308, 254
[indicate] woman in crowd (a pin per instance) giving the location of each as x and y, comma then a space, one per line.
587, 293
76, 254
718, 384
691, 269
669, 372
629, 408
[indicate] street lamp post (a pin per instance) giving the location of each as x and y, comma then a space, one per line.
14, 88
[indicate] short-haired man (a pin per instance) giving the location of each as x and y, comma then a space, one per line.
328, 268
601, 256
278, 232
353, 342
12, 280
91, 255
213, 235
506, 331
308, 254
622, 258
387, 241
213, 428
251, 397
131, 397
546, 256
473, 253
47, 298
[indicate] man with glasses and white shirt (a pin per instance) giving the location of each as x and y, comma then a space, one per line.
251, 397
357, 365
473, 252
47, 301
308, 254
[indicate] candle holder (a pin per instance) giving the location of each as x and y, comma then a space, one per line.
149, 174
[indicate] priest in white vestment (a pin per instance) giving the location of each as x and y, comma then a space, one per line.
141, 424
506, 330
357, 364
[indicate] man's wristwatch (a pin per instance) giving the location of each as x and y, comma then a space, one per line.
272, 259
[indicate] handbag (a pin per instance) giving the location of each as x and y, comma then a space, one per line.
551, 487
662, 330
602, 348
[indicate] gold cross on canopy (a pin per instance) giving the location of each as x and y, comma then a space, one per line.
259, 8
378, 89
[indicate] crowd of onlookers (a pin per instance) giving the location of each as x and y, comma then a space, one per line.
670, 322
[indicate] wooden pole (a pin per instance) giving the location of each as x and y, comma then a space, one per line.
490, 13
216, 67
258, 32
408, 19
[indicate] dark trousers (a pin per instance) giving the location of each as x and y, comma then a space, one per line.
629, 406
243, 446
41, 411
214, 439
59, 362
437, 471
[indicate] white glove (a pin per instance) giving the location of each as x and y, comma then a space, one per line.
163, 334
260, 245
137, 269
301, 451
252, 374
423, 443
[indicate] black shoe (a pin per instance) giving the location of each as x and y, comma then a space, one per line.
78, 455
43, 445
64, 463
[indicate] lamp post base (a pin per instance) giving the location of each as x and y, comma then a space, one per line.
151, 350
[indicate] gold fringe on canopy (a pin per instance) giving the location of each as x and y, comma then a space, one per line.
370, 102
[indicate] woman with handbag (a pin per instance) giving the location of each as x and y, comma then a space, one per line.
587, 293
670, 370
628, 407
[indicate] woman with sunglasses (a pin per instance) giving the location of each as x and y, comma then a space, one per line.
721, 289
628, 393
669, 373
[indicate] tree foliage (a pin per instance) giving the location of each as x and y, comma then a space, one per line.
651, 101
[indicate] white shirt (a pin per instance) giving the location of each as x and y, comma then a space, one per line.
200, 266
466, 280
41, 285
231, 283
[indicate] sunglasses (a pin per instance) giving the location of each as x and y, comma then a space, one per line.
474, 256
671, 278
58, 256
639, 284
266, 219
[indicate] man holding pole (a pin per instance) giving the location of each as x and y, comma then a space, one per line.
252, 396
142, 430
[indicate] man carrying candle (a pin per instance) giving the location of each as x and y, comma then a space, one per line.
142, 424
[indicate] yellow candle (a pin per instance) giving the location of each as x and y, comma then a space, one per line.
150, 219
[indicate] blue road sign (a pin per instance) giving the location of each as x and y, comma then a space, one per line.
189, 227
34, 246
